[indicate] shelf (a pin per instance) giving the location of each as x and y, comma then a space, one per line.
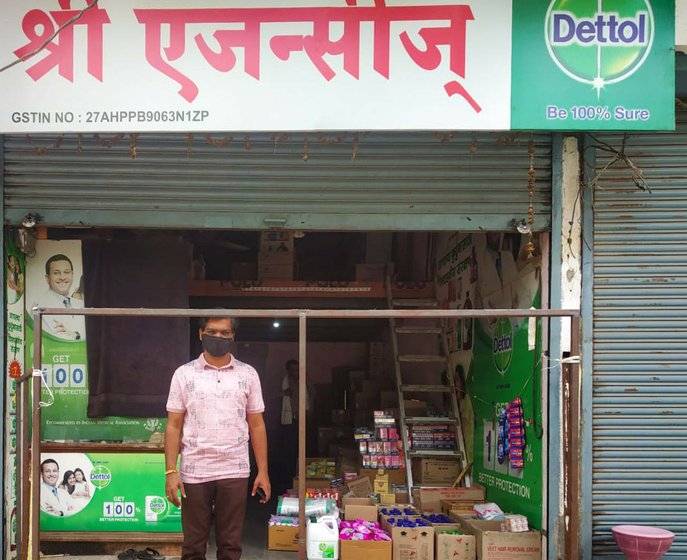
306, 289
91, 536
101, 447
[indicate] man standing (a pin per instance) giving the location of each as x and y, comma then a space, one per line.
59, 274
215, 405
54, 500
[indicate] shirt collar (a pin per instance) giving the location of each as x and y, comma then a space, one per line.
202, 362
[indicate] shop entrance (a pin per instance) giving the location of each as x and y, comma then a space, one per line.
348, 358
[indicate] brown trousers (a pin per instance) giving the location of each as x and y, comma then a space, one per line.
227, 499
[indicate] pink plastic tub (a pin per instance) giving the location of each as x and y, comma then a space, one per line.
640, 542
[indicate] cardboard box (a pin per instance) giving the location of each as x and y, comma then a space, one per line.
402, 497
313, 483
493, 544
436, 470
415, 407
386, 498
277, 242
459, 507
381, 484
412, 544
359, 508
396, 476
373, 272
438, 527
388, 399
282, 538
275, 271
369, 550
429, 499
454, 547
244, 271
360, 487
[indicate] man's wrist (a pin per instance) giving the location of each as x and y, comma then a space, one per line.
171, 471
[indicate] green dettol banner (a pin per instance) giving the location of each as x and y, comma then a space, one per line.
105, 492
54, 279
593, 65
506, 366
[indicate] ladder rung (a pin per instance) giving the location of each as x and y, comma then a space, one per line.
421, 358
425, 388
435, 453
418, 330
419, 303
430, 420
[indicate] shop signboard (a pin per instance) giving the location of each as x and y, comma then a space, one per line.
53, 279
133, 66
104, 492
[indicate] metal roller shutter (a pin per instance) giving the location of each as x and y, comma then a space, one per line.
639, 341
376, 181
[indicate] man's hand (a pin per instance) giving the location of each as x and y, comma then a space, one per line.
51, 509
61, 329
173, 486
262, 481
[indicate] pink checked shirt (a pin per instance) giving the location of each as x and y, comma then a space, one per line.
214, 443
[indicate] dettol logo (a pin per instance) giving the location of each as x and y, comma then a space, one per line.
503, 345
100, 476
599, 42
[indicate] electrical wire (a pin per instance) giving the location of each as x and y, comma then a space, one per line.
66, 24
51, 400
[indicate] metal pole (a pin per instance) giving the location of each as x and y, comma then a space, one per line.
302, 404
315, 313
36, 435
22, 484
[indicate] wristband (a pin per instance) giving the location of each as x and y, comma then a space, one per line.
171, 471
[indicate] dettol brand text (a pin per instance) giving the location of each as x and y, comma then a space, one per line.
503, 343
602, 29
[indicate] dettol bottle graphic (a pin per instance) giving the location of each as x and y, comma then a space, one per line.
156, 506
599, 42
467, 324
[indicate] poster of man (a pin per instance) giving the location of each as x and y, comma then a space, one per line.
55, 279
65, 485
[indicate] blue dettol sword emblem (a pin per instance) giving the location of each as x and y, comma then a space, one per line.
599, 42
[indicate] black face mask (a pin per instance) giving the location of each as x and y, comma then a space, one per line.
217, 346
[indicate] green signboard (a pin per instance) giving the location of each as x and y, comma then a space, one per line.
588, 65
106, 493
504, 368
64, 358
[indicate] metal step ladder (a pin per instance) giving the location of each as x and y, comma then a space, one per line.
438, 335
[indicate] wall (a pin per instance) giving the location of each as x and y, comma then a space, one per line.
500, 358
681, 25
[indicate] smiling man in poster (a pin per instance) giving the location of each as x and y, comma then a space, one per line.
59, 275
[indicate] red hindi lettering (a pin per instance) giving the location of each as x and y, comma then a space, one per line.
61, 48
319, 43
225, 60
153, 20
454, 36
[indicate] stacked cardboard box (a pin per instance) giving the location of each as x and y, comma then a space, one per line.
436, 471
494, 544
429, 499
377, 360
276, 256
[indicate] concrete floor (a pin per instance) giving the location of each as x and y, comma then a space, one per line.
254, 540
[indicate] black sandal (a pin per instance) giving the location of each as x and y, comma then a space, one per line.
128, 554
150, 554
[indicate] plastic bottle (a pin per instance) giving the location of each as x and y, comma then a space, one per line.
322, 538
